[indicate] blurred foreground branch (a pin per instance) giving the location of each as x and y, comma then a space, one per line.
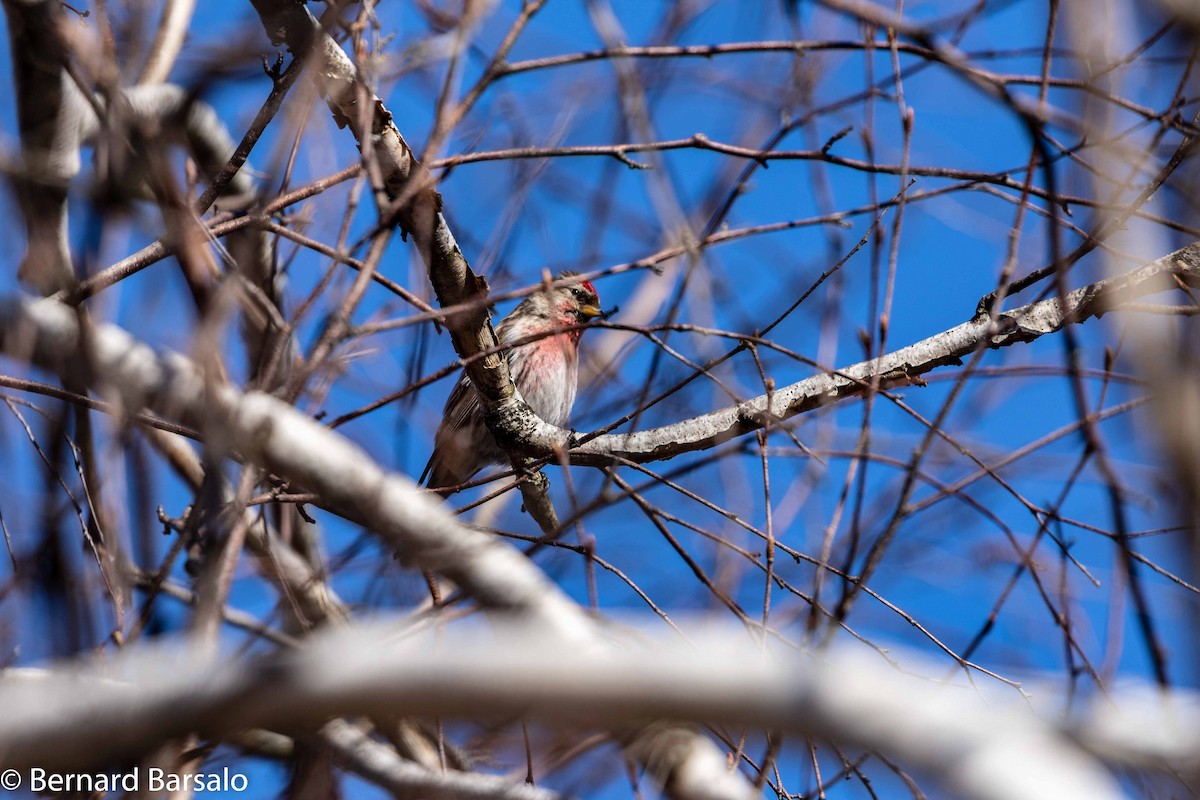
84, 716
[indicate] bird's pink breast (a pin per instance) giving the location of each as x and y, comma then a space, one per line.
546, 373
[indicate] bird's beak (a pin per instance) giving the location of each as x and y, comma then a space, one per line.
590, 311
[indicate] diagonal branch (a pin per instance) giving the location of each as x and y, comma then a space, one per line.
415, 206
898, 368
272, 433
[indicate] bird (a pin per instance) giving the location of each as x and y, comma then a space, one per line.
545, 369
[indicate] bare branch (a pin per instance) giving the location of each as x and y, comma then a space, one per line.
967, 743
1023, 324
276, 435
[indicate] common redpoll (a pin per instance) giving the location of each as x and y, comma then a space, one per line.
545, 370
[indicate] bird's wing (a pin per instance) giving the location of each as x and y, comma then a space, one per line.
461, 406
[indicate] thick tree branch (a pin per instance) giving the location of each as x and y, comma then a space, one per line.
269, 432
970, 744
409, 185
168, 41
416, 207
56, 119
1023, 324
50, 113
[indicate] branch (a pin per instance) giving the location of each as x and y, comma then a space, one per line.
56, 119
168, 40
977, 749
416, 207
269, 432
50, 112
315, 601
1023, 324
379, 764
